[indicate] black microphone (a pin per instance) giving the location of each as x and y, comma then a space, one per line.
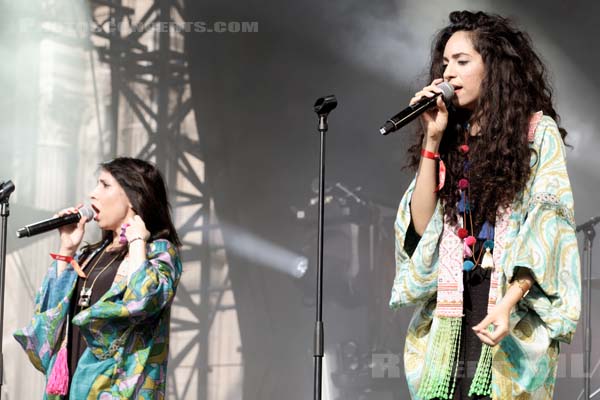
52, 223
411, 112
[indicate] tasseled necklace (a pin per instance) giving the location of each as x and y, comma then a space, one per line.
466, 232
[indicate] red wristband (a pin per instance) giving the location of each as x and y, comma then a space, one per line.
442, 169
69, 260
429, 154
59, 257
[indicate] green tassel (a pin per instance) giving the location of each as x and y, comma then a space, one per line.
439, 375
482, 381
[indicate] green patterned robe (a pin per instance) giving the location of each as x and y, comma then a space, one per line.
541, 237
127, 330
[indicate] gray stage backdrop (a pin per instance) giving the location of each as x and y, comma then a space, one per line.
253, 95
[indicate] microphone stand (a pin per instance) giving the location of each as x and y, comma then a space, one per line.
322, 107
589, 233
6, 189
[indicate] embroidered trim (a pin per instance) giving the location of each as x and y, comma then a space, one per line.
533, 123
438, 376
501, 231
450, 283
552, 200
115, 345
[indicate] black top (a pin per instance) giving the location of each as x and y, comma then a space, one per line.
475, 301
105, 265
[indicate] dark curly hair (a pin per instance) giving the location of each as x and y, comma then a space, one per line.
515, 85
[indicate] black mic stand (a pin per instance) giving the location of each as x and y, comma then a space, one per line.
6, 189
589, 233
323, 107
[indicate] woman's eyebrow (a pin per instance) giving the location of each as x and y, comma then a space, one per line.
455, 56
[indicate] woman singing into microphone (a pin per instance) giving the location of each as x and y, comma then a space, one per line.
101, 324
485, 239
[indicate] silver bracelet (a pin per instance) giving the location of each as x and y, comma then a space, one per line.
134, 239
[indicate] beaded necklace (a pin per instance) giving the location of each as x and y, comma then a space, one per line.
467, 230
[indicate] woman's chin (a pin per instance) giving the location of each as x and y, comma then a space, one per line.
464, 106
104, 226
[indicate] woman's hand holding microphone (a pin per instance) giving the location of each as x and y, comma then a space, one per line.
433, 121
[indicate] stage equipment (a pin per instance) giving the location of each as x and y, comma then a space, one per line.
589, 234
6, 190
323, 106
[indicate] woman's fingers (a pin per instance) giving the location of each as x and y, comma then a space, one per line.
483, 325
484, 339
428, 91
487, 340
491, 338
419, 96
66, 211
498, 334
434, 120
135, 227
68, 229
69, 210
441, 105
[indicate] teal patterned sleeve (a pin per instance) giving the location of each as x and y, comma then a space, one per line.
546, 241
138, 300
416, 273
42, 337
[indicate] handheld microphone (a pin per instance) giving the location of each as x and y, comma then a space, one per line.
411, 112
52, 223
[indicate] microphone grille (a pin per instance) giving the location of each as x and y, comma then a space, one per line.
87, 212
447, 90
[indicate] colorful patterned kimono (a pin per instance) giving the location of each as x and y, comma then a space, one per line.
127, 330
537, 233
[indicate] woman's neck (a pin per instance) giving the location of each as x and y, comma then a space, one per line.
474, 129
115, 244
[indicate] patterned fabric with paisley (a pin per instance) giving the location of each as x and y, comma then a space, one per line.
540, 236
126, 331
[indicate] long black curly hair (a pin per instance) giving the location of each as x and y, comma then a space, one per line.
515, 86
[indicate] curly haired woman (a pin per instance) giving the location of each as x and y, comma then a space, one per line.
485, 240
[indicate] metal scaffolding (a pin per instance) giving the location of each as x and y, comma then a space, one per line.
151, 75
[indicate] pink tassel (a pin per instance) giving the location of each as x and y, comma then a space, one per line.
58, 382
467, 252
